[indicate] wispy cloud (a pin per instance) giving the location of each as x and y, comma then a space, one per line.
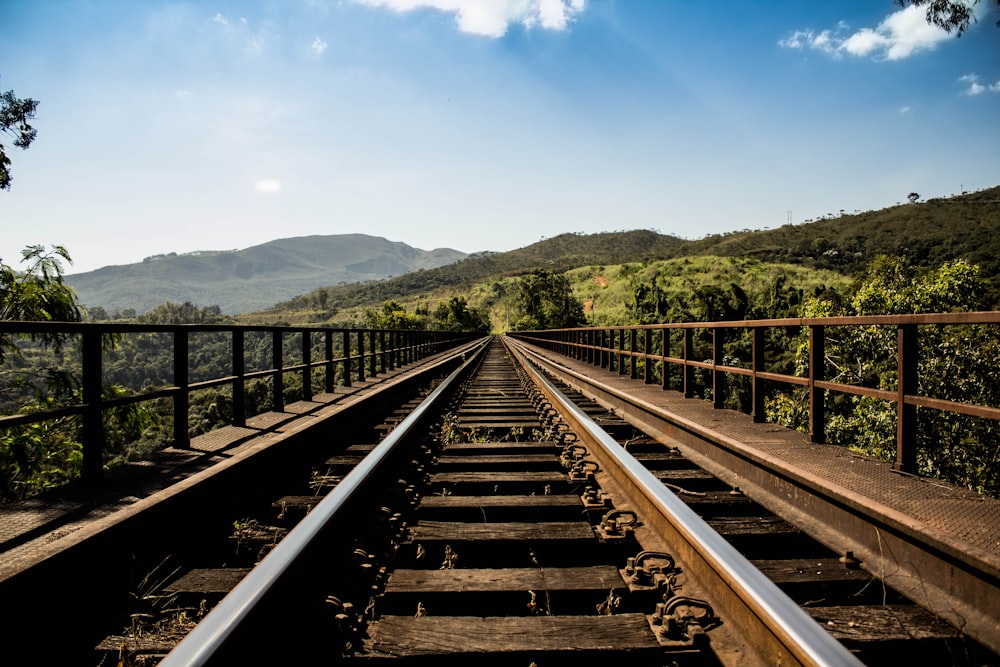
492, 18
253, 43
901, 35
975, 86
318, 46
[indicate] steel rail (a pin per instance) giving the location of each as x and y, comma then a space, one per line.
796, 636
210, 636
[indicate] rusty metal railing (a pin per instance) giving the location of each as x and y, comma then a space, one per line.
649, 349
347, 355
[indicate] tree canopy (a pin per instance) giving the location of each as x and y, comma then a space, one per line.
14, 116
38, 293
949, 15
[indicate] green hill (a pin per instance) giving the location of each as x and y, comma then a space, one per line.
928, 233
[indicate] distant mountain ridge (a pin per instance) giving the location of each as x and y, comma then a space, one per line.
254, 278
937, 230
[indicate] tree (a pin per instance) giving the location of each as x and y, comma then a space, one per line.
455, 315
14, 116
546, 301
38, 293
913, 197
948, 14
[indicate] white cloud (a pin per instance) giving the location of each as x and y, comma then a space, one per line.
492, 18
903, 111
900, 35
976, 87
267, 186
318, 46
219, 18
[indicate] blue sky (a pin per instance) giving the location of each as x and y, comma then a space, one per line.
479, 124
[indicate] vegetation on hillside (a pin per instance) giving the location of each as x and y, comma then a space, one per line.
927, 233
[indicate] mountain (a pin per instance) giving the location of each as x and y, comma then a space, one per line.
254, 278
557, 254
930, 232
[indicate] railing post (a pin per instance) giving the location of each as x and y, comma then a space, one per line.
277, 359
817, 373
757, 385
383, 353
688, 369
718, 377
181, 398
307, 390
361, 355
373, 359
621, 352
347, 357
393, 350
93, 424
906, 414
239, 379
330, 379
633, 368
647, 365
664, 353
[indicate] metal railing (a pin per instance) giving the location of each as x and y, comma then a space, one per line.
667, 352
347, 355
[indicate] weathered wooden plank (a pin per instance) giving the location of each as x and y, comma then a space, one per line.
497, 477
878, 624
138, 645
305, 503
513, 446
599, 577
754, 525
345, 460
404, 636
498, 459
449, 502
426, 531
208, 580
809, 570
677, 476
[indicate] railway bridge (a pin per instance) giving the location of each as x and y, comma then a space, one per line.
607, 455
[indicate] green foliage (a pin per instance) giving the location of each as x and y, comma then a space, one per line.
38, 293
455, 315
949, 15
545, 301
695, 289
44, 455
14, 116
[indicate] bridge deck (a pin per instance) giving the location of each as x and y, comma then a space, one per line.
967, 519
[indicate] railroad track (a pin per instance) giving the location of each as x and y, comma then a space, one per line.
488, 515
